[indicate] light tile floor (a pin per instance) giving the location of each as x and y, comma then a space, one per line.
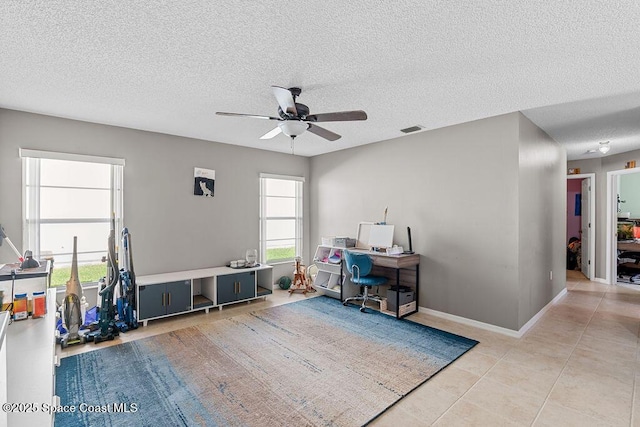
577, 366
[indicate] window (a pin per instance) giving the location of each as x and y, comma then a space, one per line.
67, 195
281, 221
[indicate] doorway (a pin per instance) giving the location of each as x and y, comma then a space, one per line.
623, 212
581, 208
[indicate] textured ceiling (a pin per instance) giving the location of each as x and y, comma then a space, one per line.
169, 66
582, 125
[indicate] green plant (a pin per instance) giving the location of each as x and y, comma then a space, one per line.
281, 254
87, 273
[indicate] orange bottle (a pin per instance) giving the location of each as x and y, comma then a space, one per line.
39, 303
20, 310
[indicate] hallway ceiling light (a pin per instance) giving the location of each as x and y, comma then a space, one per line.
604, 147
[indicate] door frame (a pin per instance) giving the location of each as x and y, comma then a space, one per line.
591, 230
612, 223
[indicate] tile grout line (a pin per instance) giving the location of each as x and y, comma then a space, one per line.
505, 355
567, 361
472, 387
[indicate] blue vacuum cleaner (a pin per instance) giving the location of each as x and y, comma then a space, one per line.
126, 302
106, 329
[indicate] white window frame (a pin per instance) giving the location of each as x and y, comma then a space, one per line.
299, 217
31, 229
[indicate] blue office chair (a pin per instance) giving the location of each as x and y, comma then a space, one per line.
359, 265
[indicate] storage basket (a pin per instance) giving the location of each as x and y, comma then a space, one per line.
403, 309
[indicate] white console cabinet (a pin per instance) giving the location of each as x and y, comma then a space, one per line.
168, 294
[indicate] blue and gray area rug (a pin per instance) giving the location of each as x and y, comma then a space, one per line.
312, 362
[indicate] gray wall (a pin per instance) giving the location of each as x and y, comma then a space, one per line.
458, 189
172, 229
600, 166
542, 223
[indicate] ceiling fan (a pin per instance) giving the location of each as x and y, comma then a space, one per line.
294, 118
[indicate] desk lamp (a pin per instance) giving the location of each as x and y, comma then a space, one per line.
3, 236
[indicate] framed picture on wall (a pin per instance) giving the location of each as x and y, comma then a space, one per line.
204, 182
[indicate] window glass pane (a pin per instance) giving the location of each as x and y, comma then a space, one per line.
281, 250
285, 243
280, 206
58, 239
281, 198
66, 173
88, 272
281, 229
74, 203
70, 191
280, 187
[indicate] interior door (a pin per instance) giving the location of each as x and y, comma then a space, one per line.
586, 225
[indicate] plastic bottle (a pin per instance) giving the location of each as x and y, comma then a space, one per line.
39, 305
20, 309
83, 308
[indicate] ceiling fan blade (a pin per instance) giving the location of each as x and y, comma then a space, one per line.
271, 133
285, 100
254, 116
322, 132
340, 116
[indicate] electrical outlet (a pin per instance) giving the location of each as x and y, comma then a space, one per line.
551, 275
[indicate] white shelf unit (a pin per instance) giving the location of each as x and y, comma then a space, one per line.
169, 294
330, 278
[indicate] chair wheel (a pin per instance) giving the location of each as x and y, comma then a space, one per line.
362, 309
344, 303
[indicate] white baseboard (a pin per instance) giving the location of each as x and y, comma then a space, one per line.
539, 314
600, 280
470, 322
494, 328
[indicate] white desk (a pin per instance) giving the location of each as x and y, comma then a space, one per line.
31, 358
4, 324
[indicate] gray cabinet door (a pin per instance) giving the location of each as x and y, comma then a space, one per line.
152, 301
161, 299
178, 296
226, 288
246, 285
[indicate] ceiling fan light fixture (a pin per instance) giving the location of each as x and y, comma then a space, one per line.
604, 147
294, 118
293, 128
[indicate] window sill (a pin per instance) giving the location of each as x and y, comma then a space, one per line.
287, 261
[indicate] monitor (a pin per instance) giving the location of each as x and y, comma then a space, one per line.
381, 236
